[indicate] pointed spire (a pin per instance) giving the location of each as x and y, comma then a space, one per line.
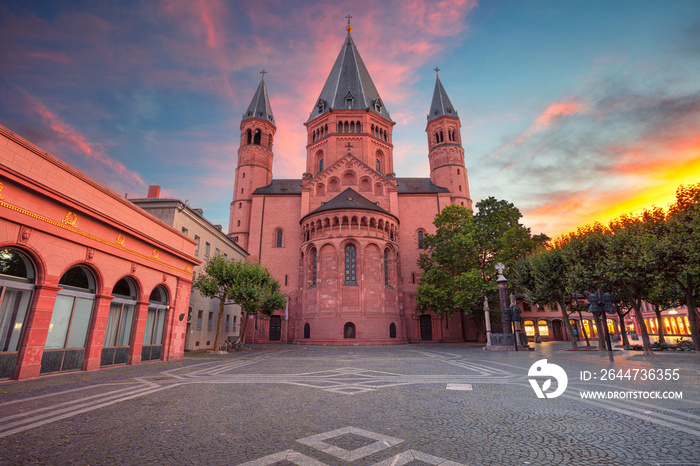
260, 105
441, 105
349, 85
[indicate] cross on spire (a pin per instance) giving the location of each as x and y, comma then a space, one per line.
263, 73
437, 71
348, 28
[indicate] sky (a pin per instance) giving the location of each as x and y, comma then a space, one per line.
574, 111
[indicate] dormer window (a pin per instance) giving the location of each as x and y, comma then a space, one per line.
321, 105
449, 109
349, 99
378, 105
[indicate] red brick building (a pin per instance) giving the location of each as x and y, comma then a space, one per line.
87, 279
344, 239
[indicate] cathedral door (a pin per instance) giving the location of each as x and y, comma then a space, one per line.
426, 328
275, 328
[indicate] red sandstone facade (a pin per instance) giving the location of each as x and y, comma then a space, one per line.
87, 279
344, 240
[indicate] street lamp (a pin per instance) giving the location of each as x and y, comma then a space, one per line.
602, 304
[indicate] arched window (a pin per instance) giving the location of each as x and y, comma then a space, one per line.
352, 126
307, 331
16, 287
119, 322
379, 166
386, 267
320, 165
155, 324
358, 127
392, 330
314, 267
70, 321
249, 136
442, 136
257, 136
346, 127
420, 240
437, 138
340, 126
349, 330
279, 236
350, 265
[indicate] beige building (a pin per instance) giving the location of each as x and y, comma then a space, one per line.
211, 240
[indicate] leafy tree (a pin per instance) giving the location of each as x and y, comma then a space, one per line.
459, 269
249, 285
678, 253
451, 281
543, 275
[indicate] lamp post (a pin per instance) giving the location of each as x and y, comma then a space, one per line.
512, 315
602, 304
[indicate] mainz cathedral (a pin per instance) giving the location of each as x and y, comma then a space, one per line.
344, 239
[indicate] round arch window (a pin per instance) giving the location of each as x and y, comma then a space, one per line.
349, 330
16, 287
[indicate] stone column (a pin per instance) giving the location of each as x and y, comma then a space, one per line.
32, 347
138, 329
96, 333
503, 296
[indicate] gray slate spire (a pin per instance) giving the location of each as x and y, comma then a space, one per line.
441, 105
349, 85
260, 105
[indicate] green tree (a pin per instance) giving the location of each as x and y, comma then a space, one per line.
459, 268
249, 285
543, 276
451, 281
678, 253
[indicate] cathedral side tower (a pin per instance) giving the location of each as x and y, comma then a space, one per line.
254, 168
446, 153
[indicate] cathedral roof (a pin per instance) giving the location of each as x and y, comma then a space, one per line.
281, 187
418, 186
350, 199
349, 85
260, 105
441, 105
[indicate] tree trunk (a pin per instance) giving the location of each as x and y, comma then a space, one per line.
692, 313
222, 303
244, 328
601, 331
574, 345
637, 305
623, 329
657, 311
583, 329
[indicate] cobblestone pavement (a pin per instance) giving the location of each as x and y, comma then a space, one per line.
391, 406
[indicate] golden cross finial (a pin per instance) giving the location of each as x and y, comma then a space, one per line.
437, 71
263, 72
348, 28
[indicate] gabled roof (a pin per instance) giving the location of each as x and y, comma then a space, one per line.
441, 105
281, 187
349, 86
418, 186
350, 199
260, 105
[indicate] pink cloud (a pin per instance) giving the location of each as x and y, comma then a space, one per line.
92, 150
558, 110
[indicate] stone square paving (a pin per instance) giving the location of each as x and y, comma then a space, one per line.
351, 406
